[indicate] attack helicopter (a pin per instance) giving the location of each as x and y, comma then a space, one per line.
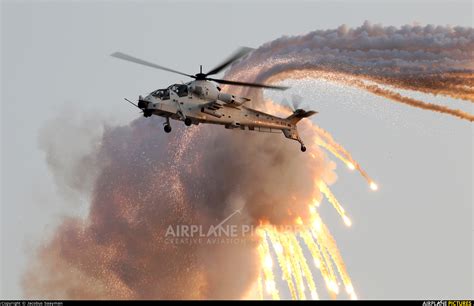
202, 101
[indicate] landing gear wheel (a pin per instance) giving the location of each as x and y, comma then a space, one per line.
303, 149
188, 121
167, 128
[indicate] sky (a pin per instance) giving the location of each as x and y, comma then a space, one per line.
412, 239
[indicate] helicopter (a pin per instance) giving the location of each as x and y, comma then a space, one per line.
202, 101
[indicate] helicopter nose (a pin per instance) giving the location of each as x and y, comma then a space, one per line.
142, 103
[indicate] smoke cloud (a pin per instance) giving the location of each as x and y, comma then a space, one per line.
148, 180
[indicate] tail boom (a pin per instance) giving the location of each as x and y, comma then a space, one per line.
293, 119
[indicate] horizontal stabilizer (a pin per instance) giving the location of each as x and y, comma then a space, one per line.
300, 114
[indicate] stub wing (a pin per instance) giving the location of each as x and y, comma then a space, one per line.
212, 108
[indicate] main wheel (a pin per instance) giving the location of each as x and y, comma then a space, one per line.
188, 121
167, 128
303, 149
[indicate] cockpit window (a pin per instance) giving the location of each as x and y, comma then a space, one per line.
163, 94
180, 89
166, 95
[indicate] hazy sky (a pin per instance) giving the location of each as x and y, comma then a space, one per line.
412, 239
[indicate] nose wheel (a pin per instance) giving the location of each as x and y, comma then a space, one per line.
167, 126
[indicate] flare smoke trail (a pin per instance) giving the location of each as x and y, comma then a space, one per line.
141, 180
431, 59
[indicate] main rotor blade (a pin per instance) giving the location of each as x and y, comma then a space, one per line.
130, 58
227, 82
238, 54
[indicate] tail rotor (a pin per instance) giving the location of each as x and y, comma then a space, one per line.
295, 104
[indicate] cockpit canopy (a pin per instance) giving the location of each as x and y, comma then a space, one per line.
164, 94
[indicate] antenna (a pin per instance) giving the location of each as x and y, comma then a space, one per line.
131, 102
200, 69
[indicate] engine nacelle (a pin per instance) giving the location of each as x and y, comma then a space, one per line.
204, 90
231, 99
208, 91
227, 98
